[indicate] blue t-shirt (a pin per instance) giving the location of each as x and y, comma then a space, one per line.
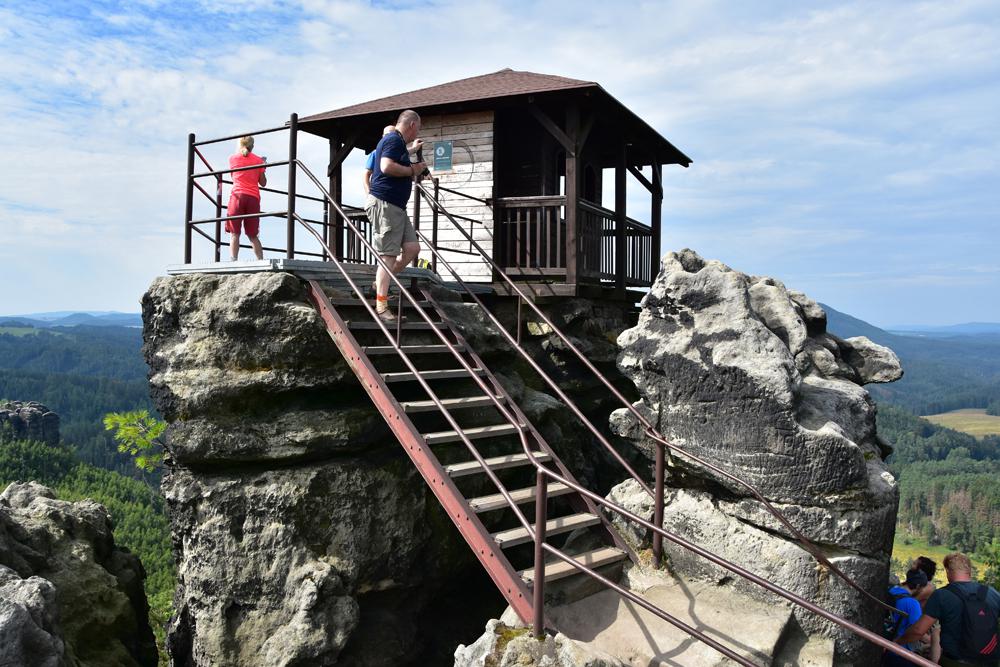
370, 162
946, 606
392, 189
909, 606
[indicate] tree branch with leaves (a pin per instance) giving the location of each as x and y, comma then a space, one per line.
139, 435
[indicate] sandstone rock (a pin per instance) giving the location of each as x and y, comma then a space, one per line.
28, 621
504, 646
740, 371
28, 421
72, 597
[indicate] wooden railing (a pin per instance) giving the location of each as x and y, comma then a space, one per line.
531, 235
599, 238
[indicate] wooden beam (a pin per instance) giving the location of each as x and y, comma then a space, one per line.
588, 125
620, 188
337, 158
568, 143
572, 192
642, 179
655, 220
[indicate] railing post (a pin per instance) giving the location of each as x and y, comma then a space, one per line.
538, 581
654, 221
293, 136
416, 215
189, 200
620, 241
658, 504
572, 197
218, 214
434, 222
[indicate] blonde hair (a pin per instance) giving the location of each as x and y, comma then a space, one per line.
246, 145
957, 562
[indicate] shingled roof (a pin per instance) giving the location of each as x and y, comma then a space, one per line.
504, 83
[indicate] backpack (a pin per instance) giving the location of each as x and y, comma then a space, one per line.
979, 626
892, 620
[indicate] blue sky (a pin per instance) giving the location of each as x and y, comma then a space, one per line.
849, 149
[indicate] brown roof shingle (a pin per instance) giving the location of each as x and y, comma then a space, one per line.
504, 83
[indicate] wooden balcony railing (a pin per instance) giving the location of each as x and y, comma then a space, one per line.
598, 257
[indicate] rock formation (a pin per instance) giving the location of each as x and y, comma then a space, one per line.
28, 421
740, 371
68, 595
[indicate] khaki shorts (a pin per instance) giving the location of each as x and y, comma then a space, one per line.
392, 227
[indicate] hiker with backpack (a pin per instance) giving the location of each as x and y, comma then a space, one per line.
904, 599
968, 612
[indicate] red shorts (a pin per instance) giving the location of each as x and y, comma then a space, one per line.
243, 205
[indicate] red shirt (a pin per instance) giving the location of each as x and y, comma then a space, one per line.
245, 182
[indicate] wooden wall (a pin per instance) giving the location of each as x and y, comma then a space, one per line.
471, 173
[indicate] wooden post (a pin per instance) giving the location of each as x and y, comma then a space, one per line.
434, 223
416, 216
336, 187
654, 220
620, 238
572, 193
189, 200
293, 132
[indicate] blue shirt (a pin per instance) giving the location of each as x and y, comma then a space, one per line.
910, 607
946, 606
370, 162
392, 189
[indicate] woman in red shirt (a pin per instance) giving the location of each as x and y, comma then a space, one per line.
245, 198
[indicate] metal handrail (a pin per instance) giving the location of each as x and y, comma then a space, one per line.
650, 429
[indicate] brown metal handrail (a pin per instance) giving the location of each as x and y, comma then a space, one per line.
650, 430
538, 533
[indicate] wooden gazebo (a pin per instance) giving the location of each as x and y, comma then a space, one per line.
523, 155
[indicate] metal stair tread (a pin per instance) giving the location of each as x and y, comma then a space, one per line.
409, 324
450, 403
592, 559
494, 463
562, 524
373, 350
353, 302
445, 374
519, 496
472, 433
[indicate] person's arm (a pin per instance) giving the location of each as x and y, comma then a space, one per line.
917, 630
262, 180
392, 168
368, 181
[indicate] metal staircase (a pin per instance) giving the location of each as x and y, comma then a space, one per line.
428, 369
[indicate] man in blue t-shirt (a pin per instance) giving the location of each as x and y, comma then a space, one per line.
948, 605
907, 603
394, 238
370, 160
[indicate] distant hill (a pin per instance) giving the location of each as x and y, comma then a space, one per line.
953, 330
942, 373
71, 319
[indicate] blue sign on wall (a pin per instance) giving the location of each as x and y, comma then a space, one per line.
442, 156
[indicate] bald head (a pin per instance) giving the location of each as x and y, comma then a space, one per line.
408, 125
387, 129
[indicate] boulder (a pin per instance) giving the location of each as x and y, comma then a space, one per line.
68, 594
505, 646
20, 420
740, 371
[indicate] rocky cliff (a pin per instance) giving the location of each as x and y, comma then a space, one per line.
30, 420
68, 596
741, 371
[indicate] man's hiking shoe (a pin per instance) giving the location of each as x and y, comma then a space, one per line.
390, 317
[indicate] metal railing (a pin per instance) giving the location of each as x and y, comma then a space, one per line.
544, 475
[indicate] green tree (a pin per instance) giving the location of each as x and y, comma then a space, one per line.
138, 434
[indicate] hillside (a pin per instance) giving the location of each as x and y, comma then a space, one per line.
941, 373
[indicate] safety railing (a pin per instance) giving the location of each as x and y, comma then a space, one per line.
544, 475
609, 246
662, 445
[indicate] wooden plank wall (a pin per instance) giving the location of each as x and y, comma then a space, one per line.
472, 173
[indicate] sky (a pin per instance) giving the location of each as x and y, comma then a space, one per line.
849, 149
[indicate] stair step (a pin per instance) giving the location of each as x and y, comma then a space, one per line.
409, 324
474, 433
495, 463
563, 524
451, 403
349, 302
374, 350
407, 376
560, 569
520, 496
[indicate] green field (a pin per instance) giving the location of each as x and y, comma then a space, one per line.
972, 421
904, 553
19, 331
